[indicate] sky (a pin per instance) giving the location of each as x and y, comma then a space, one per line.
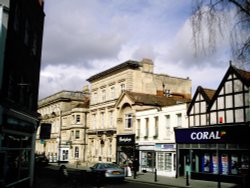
84, 37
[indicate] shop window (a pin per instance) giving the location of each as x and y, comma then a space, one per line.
147, 160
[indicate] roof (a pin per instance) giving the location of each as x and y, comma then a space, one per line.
206, 93
245, 75
153, 100
211, 95
127, 64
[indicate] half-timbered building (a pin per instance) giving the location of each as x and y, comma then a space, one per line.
215, 145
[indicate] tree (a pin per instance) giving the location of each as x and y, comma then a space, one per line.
212, 17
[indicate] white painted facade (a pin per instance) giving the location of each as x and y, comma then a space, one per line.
155, 137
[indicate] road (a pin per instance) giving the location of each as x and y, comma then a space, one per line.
48, 178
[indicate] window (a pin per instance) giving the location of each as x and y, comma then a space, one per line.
138, 127
94, 121
102, 120
95, 98
128, 121
103, 95
156, 127
112, 92
167, 117
76, 152
122, 87
77, 134
179, 120
147, 127
78, 119
111, 119
72, 134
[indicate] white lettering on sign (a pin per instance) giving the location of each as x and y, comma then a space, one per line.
213, 135
125, 139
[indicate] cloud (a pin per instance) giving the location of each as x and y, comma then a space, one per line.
84, 38
55, 78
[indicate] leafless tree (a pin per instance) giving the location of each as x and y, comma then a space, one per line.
209, 22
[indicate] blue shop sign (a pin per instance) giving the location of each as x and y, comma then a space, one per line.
213, 134
165, 147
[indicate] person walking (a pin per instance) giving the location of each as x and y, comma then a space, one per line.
135, 167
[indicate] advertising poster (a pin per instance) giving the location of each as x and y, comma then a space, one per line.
224, 164
234, 164
206, 163
215, 164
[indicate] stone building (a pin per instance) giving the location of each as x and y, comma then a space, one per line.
107, 121
61, 135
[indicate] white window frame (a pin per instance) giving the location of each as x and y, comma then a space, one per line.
128, 121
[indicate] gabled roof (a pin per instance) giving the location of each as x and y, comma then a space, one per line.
211, 95
151, 100
206, 93
127, 64
242, 75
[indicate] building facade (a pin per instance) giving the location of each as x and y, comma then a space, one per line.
61, 135
155, 137
215, 146
106, 88
21, 32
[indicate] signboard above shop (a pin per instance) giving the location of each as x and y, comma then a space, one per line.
234, 134
126, 140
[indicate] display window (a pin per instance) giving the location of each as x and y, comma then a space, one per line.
164, 161
224, 164
147, 159
206, 163
214, 163
18, 157
234, 164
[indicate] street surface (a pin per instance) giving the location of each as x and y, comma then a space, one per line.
48, 178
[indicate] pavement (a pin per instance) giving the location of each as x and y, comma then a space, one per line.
164, 181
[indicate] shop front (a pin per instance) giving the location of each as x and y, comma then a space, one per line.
147, 156
165, 159
125, 149
17, 149
217, 153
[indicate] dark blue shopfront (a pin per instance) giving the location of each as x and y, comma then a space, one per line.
216, 153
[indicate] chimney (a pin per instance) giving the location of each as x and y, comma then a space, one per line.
147, 65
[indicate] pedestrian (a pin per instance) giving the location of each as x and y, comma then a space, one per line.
135, 166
